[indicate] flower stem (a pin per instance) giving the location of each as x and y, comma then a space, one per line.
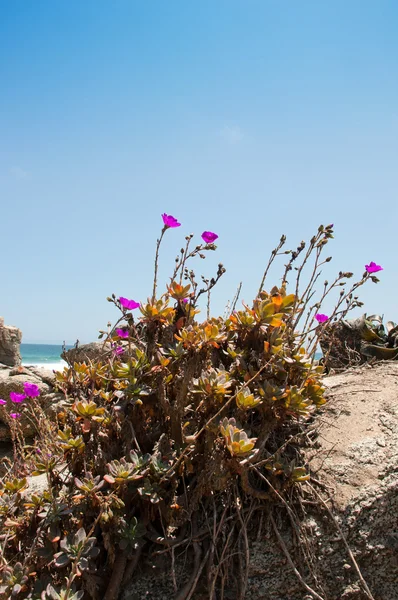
155, 278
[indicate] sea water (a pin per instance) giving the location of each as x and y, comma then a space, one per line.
47, 356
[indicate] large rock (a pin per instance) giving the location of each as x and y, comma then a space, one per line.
353, 461
12, 380
87, 352
10, 340
356, 455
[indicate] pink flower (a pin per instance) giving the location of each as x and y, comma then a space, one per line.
185, 300
129, 304
2, 402
373, 268
122, 333
209, 237
170, 221
117, 350
31, 389
15, 415
17, 398
321, 318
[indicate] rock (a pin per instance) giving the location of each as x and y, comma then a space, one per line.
87, 352
356, 456
12, 380
44, 374
10, 340
38, 484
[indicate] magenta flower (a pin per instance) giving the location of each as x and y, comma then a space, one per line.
15, 415
117, 350
373, 268
185, 300
17, 398
321, 318
31, 389
209, 237
2, 402
122, 333
129, 304
170, 221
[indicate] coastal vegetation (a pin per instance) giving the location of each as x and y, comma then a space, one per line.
176, 438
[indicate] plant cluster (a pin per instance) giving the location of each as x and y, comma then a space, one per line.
173, 438
355, 341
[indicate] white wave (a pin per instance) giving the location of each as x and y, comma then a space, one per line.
49, 366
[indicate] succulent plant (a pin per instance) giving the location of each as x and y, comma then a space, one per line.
213, 383
122, 471
130, 533
352, 341
236, 440
89, 484
68, 442
77, 547
176, 414
246, 400
14, 580
63, 594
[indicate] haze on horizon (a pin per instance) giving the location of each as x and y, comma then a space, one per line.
250, 119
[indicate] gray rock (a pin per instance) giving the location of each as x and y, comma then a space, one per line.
10, 340
87, 352
12, 380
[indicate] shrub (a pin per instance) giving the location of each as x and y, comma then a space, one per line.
174, 437
354, 341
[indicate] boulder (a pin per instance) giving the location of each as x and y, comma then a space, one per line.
10, 340
355, 456
12, 380
352, 460
87, 352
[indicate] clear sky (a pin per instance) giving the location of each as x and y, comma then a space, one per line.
250, 118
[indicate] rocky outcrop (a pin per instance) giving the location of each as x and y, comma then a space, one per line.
87, 352
12, 380
354, 457
10, 340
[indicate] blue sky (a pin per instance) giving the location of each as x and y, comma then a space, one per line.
248, 118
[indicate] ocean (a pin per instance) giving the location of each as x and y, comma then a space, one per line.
47, 356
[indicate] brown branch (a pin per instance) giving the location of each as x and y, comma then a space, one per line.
132, 564
274, 253
155, 276
344, 539
243, 531
291, 563
119, 567
185, 592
